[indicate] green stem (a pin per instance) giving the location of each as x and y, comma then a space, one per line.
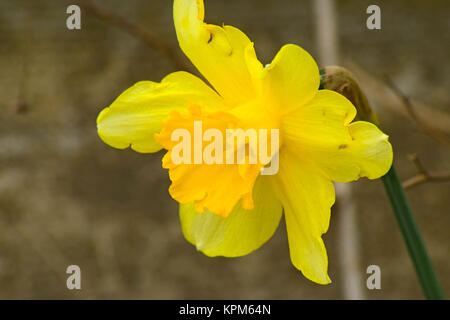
411, 234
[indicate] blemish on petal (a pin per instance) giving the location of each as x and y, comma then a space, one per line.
342, 146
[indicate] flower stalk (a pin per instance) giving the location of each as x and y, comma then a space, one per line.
341, 80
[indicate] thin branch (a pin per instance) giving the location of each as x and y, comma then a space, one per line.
416, 119
423, 175
138, 32
20, 105
384, 97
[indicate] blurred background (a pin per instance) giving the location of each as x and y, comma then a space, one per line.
67, 198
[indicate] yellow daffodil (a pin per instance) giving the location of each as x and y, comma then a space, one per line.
231, 209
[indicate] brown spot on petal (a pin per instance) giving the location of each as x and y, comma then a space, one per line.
342, 146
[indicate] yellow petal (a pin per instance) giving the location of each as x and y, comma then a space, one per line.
320, 132
238, 234
306, 196
136, 115
291, 80
218, 53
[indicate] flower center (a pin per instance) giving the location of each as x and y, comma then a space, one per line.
214, 157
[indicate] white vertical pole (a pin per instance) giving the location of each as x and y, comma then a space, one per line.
349, 256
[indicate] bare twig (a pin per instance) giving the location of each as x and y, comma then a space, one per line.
422, 126
384, 97
423, 175
20, 105
140, 33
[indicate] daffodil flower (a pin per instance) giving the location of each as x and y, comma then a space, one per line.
229, 209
